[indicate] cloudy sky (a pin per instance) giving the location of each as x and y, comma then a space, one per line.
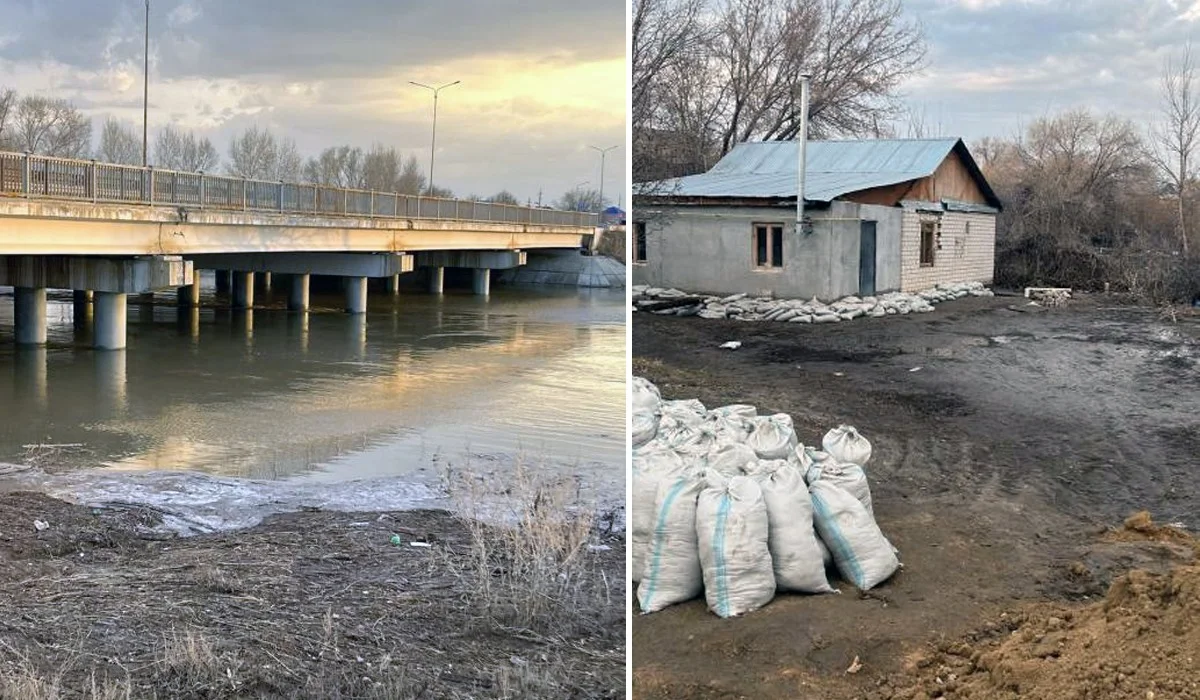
541, 81
994, 65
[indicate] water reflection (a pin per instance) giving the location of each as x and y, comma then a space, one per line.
270, 394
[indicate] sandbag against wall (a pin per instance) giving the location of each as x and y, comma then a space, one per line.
796, 551
846, 444
672, 572
860, 551
732, 529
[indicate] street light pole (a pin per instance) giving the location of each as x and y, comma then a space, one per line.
433, 140
146, 92
603, 152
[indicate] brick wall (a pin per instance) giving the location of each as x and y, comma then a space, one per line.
962, 257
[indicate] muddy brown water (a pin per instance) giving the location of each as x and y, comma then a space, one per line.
996, 464
325, 397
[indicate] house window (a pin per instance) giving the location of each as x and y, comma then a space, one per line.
639, 241
768, 245
928, 241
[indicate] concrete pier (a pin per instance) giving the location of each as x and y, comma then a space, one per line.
243, 290
189, 296
81, 307
110, 310
356, 295
266, 281
481, 281
29, 307
437, 280
394, 285
298, 293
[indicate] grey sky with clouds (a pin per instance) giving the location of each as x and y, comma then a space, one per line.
995, 65
541, 80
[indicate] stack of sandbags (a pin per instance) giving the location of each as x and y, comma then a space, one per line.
730, 503
746, 308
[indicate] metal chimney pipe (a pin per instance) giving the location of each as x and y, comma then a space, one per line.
803, 142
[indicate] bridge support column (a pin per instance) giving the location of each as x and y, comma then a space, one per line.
243, 290
437, 280
110, 320
224, 281
394, 285
82, 306
356, 295
266, 281
481, 281
189, 296
29, 306
298, 294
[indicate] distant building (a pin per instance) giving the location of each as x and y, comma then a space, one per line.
881, 215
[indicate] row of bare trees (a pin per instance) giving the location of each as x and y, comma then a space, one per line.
709, 74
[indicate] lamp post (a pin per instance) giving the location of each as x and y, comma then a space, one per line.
603, 152
146, 92
433, 144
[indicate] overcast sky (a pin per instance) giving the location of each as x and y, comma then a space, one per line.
994, 65
541, 81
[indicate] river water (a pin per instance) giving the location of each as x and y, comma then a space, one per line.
227, 415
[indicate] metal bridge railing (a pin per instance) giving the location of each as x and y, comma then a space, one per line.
28, 175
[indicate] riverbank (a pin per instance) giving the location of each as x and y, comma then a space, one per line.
100, 603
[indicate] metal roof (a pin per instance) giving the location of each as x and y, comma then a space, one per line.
833, 168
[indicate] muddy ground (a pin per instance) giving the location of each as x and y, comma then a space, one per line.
98, 604
1000, 467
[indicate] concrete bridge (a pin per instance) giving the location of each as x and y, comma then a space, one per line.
107, 231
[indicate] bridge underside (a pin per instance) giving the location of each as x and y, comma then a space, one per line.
104, 252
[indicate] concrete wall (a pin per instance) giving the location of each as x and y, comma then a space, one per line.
962, 256
710, 249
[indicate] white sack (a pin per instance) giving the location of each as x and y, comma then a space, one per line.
732, 527
772, 437
796, 551
736, 409
847, 445
730, 459
860, 551
692, 440
645, 395
649, 470
849, 477
672, 572
727, 428
644, 427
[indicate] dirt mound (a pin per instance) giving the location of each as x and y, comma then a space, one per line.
1142, 641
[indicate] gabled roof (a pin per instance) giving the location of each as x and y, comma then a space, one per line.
767, 169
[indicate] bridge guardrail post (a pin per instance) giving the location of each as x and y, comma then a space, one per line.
92, 180
245, 186
150, 179
26, 173
345, 201
280, 195
201, 189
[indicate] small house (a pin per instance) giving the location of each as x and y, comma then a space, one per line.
879, 215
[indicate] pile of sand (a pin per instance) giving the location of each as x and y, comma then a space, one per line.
1141, 641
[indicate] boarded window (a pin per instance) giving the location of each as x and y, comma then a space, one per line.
639, 241
768, 245
928, 241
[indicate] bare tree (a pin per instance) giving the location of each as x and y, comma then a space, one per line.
340, 166
382, 169
1176, 137
412, 178
580, 199
8, 101
729, 71
119, 144
258, 154
51, 127
175, 149
503, 197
